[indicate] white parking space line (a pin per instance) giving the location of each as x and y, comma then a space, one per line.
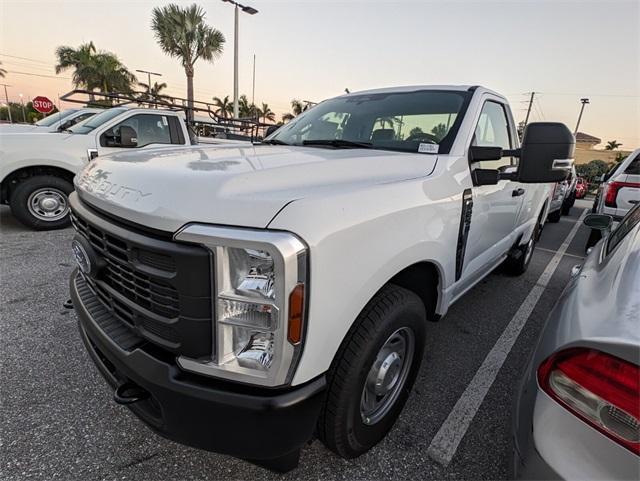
445, 443
553, 252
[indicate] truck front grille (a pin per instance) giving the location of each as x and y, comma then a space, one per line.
159, 289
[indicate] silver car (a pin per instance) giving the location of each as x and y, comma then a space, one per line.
577, 415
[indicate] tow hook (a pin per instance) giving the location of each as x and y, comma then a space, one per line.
129, 393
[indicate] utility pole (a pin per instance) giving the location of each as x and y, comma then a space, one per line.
7, 99
584, 102
526, 120
149, 74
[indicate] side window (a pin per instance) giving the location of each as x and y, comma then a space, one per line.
634, 167
493, 131
625, 226
146, 129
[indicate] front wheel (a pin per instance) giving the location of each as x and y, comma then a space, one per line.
42, 202
372, 374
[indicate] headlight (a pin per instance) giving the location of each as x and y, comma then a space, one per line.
259, 303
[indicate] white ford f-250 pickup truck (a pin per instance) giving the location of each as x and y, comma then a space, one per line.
37, 168
56, 122
241, 299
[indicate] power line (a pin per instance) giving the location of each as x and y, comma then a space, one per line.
39, 75
25, 58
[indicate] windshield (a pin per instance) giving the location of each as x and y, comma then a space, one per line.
420, 121
53, 118
96, 121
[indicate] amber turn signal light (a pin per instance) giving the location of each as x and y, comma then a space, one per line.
296, 312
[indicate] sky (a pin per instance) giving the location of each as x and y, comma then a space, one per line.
311, 50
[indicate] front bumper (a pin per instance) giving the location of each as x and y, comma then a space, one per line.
246, 422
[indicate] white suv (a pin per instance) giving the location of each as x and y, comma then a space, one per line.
621, 190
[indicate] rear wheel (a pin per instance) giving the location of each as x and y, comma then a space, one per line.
42, 202
518, 262
372, 374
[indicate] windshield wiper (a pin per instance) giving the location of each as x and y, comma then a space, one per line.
274, 142
339, 143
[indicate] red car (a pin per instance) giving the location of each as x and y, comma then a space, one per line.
581, 188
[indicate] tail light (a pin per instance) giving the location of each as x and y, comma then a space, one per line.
612, 192
602, 390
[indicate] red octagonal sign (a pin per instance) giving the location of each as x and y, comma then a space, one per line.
42, 104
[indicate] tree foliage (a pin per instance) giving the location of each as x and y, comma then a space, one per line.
592, 170
183, 34
93, 69
612, 145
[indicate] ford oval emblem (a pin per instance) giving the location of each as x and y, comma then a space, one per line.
81, 256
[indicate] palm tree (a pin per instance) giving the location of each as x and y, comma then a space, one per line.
224, 106
182, 33
287, 117
245, 109
612, 145
110, 75
266, 113
3, 72
297, 107
94, 70
81, 60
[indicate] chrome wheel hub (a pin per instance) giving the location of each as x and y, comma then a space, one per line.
48, 204
387, 376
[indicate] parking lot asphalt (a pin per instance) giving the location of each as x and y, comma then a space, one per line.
59, 420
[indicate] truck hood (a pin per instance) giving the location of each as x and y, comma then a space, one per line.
233, 185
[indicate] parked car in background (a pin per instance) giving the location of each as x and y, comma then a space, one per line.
57, 122
619, 192
577, 415
582, 187
570, 194
621, 188
37, 169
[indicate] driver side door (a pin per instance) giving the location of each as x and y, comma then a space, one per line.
496, 207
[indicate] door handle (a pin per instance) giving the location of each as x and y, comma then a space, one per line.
517, 192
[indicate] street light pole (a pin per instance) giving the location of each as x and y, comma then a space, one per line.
7, 99
584, 102
24, 117
250, 11
236, 110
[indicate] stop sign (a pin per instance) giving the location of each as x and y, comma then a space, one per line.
42, 104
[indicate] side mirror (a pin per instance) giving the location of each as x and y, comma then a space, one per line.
485, 176
479, 154
546, 153
128, 136
601, 222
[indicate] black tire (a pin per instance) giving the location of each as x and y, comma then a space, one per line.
19, 202
518, 263
341, 425
554, 217
568, 204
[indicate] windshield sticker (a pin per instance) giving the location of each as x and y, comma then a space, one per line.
425, 148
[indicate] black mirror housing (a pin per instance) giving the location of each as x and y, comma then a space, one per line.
485, 176
547, 148
479, 154
601, 222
